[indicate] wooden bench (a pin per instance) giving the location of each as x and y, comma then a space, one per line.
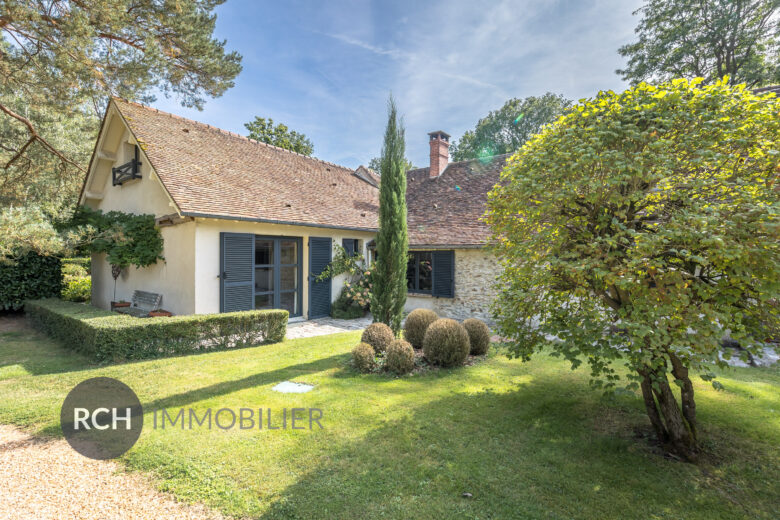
141, 303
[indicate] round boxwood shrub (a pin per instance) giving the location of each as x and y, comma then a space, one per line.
363, 357
479, 336
416, 324
446, 343
399, 357
379, 336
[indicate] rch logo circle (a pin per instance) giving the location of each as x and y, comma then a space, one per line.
101, 418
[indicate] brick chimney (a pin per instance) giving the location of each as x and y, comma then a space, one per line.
440, 143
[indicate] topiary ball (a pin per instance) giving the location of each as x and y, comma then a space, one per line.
379, 336
416, 324
363, 357
446, 343
399, 357
479, 336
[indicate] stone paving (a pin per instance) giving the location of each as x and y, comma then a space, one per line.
323, 326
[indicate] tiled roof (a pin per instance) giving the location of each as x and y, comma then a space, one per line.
447, 210
211, 172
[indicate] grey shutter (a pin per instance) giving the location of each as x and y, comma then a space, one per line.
319, 292
444, 274
237, 254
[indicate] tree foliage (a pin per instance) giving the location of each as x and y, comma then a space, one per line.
392, 241
264, 130
126, 239
708, 39
640, 228
59, 59
376, 164
506, 129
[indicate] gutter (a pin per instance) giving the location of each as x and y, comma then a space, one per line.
273, 221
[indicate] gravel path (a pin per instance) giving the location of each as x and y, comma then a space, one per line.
46, 479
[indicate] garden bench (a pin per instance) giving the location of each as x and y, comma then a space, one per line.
141, 303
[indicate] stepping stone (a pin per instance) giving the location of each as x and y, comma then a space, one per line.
288, 387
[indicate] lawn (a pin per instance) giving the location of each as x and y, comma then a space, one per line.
527, 440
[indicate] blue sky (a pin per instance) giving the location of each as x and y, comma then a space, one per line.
326, 68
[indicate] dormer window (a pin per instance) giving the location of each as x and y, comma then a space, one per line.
128, 171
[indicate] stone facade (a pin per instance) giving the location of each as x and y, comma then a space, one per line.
475, 273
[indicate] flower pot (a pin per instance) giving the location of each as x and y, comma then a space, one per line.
159, 313
115, 305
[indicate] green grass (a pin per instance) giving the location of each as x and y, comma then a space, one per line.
527, 440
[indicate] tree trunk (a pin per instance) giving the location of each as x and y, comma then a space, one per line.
680, 373
676, 429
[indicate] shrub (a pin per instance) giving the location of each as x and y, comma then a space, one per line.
77, 289
107, 336
416, 324
399, 357
27, 277
73, 270
446, 343
379, 336
84, 262
479, 336
363, 357
345, 308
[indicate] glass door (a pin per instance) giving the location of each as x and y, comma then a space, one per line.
278, 274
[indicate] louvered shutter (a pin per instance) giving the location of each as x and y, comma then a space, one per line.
237, 272
444, 274
319, 292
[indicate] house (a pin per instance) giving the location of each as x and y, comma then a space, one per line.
248, 225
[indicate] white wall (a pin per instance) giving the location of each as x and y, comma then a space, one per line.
207, 251
174, 277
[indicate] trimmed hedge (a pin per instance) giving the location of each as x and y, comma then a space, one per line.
479, 336
379, 336
416, 324
364, 357
446, 343
400, 357
28, 277
77, 289
107, 336
84, 262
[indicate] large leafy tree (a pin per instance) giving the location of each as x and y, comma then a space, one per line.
388, 294
60, 60
705, 38
376, 164
264, 130
638, 230
506, 129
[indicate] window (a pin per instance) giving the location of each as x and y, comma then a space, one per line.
431, 272
351, 246
419, 272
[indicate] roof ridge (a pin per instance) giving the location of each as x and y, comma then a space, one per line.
490, 157
228, 132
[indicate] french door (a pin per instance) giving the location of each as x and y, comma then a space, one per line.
261, 272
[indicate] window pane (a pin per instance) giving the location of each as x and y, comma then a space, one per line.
289, 251
289, 302
264, 301
264, 252
289, 278
410, 272
264, 279
425, 272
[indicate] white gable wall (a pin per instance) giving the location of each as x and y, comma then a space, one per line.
173, 277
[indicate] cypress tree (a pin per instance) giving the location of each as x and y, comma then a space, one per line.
388, 294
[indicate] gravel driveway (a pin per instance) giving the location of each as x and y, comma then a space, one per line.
47, 479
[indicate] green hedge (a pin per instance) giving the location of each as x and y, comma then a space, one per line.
28, 277
107, 336
83, 262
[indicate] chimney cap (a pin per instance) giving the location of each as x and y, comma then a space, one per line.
439, 133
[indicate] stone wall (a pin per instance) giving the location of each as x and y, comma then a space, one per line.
475, 273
